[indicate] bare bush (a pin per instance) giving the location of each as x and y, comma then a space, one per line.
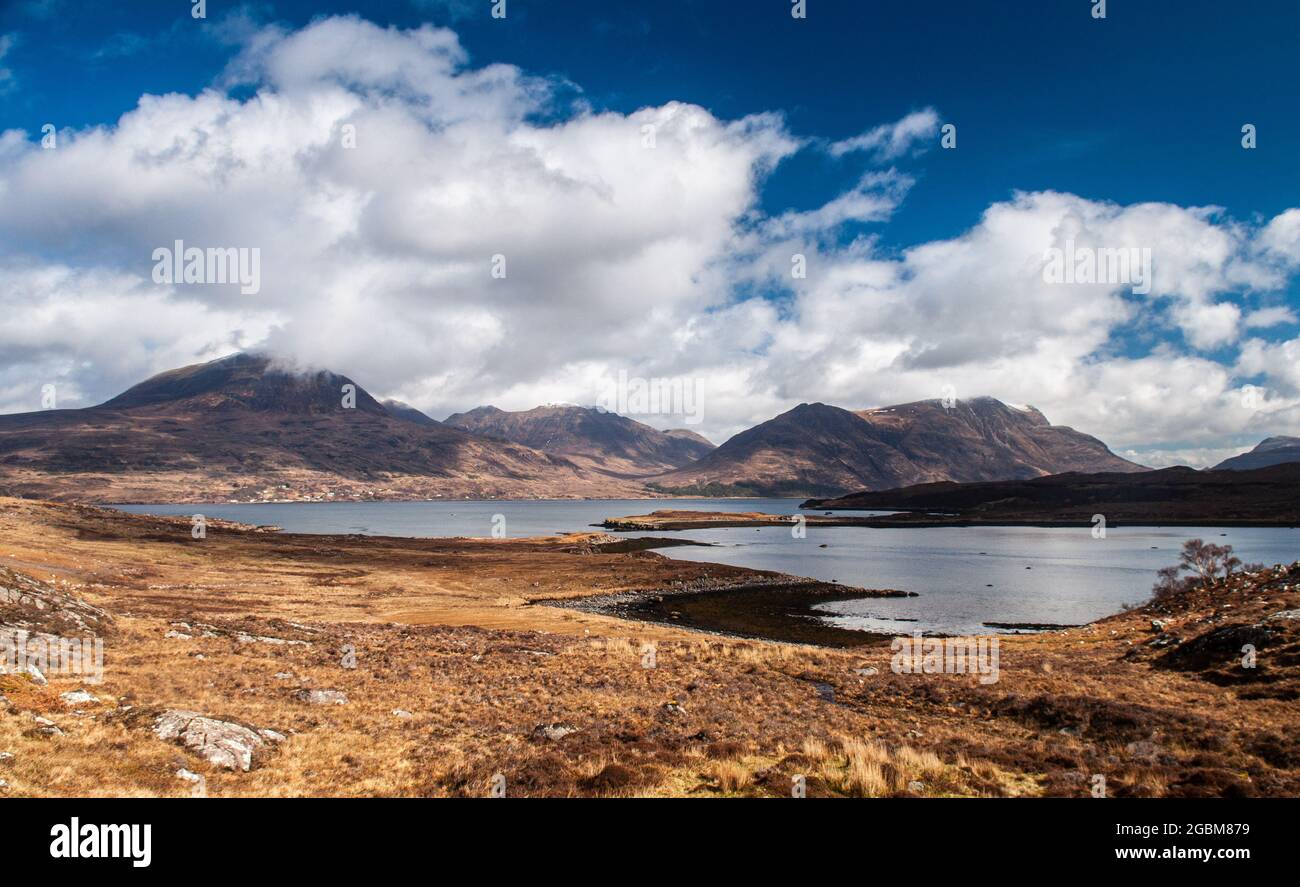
1204, 563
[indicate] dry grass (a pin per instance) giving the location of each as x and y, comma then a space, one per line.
443, 630
733, 776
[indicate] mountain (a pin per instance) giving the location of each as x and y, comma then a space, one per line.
816, 449
244, 428
409, 413
595, 439
1169, 496
1270, 451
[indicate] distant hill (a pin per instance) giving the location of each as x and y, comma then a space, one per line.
816, 449
244, 428
1270, 451
409, 413
595, 439
1169, 496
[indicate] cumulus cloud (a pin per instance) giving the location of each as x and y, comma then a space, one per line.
384, 178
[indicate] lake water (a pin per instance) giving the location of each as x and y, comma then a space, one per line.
964, 576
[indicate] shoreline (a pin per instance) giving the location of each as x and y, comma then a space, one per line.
685, 520
771, 611
903, 519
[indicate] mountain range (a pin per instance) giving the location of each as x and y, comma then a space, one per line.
1270, 451
592, 438
828, 450
245, 428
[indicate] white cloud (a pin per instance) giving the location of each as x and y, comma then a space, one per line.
6, 74
890, 141
1208, 326
1281, 237
376, 260
1264, 318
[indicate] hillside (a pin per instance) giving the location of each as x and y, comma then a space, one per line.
242, 428
594, 439
1270, 451
1169, 496
816, 449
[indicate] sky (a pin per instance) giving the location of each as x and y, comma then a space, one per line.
857, 207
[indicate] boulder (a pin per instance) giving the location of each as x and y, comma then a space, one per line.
220, 743
78, 697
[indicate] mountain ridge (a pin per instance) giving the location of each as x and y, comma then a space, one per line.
1166, 496
817, 449
592, 438
245, 429
1275, 450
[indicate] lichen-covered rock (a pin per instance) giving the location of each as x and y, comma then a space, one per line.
42, 607
220, 743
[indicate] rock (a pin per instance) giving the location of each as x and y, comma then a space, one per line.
199, 784
916, 787
45, 727
1158, 625
402, 713
272, 736
43, 608
6, 757
321, 697
553, 732
1285, 614
866, 672
77, 697
283, 676
180, 636
220, 743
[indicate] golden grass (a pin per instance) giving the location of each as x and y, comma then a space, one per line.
480, 671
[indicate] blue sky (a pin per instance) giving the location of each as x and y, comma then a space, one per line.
1143, 107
